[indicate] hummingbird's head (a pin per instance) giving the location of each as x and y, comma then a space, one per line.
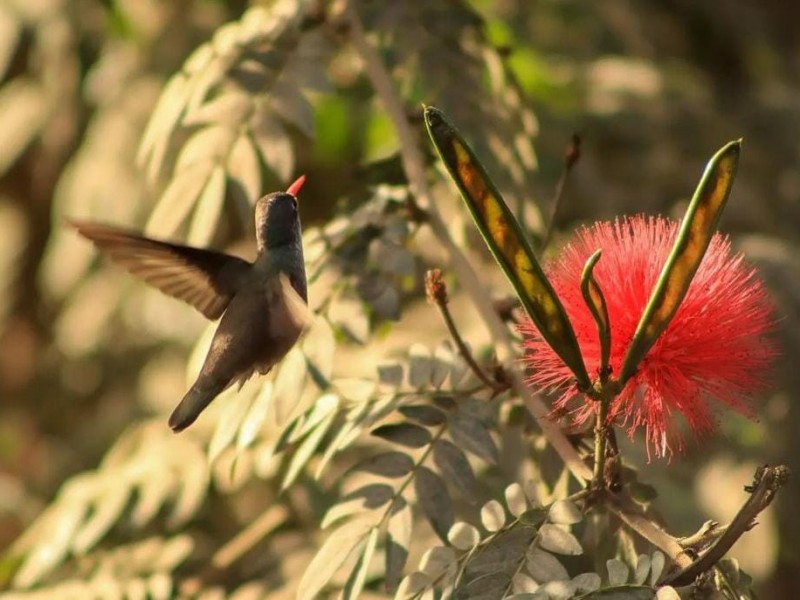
277, 219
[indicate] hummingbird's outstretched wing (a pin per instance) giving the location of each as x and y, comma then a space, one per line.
203, 278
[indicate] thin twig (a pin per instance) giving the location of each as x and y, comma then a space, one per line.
766, 483
436, 290
236, 547
629, 514
414, 167
571, 157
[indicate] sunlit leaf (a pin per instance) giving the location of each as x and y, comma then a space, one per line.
355, 583
152, 494
337, 547
642, 569
63, 521
244, 168
398, 541
10, 31
586, 582
516, 500
507, 241
463, 536
194, 482
230, 109
558, 590
555, 539
23, 113
621, 592
289, 384
493, 516
208, 210
306, 450
617, 572
564, 512
208, 145
319, 349
412, 586
273, 144
697, 228
255, 417
667, 593
105, 513
656, 566
437, 560
177, 200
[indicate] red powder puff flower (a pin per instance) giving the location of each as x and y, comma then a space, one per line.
713, 349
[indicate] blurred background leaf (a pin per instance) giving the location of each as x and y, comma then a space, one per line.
180, 114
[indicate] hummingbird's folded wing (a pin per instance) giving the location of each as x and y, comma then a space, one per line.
203, 278
291, 313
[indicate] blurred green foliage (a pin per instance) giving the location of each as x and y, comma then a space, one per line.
91, 362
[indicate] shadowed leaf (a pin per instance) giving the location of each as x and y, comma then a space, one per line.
404, 434
543, 566
455, 468
471, 435
434, 501
486, 587
621, 592
423, 414
387, 464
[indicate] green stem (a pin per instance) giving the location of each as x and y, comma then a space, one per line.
598, 479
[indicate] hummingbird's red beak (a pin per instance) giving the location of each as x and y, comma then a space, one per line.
295, 187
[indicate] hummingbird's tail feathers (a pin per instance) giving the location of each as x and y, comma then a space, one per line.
194, 402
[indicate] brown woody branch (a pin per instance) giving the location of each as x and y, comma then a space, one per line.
766, 483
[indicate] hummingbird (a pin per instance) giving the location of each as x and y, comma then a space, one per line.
263, 304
